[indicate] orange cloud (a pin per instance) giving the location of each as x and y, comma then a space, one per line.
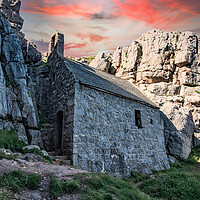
158, 12
83, 8
92, 37
75, 45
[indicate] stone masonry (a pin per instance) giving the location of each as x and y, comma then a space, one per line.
99, 131
57, 43
106, 138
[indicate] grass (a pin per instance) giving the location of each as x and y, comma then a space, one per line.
9, 140
58, 188
173, 185
16, 180
103, 187
181, 181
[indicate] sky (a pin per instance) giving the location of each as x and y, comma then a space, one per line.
93, 26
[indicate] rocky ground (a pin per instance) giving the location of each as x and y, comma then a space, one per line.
179, 182
34, 164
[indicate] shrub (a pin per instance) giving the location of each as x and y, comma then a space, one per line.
33, 181
10, 140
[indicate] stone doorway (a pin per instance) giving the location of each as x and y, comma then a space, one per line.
59, 130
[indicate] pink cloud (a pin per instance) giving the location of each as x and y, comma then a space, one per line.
92, 37
159, 13
83, 8
75, 45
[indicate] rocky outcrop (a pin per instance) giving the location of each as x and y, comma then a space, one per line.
101, 62
17, 109
11, 11
33, 54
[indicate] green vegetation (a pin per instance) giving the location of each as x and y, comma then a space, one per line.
174, 57
138, 177
197, 91
124, 68
16, 180
8, 157
9, 140
173, 185
181, 181
38, 152
47, 64
104, 187
42, 120
58, 188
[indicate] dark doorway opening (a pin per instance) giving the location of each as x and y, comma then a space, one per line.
59, 130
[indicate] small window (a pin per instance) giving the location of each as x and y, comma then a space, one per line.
151, 121
138, 121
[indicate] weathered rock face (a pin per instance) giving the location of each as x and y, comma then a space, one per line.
11, 10
17, 109
159, 56
101, 62
33, 54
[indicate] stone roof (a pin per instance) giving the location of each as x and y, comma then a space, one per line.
103, 81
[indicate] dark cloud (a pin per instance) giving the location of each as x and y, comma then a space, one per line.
102, 16
92, 37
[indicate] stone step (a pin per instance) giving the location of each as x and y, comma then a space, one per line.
62, 162
57, 152
60, 157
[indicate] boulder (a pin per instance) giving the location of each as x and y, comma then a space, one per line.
100, 62
179, 129
21, 131
30, 147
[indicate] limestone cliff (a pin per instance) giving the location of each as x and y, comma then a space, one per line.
166, 67
17, 109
